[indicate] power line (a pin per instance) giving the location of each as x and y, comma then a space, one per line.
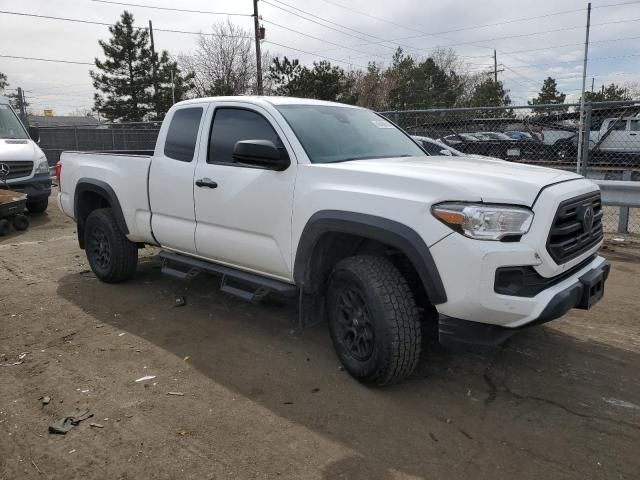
311, 53
576, 61
154, 7
320, 39
46, 60
104, 24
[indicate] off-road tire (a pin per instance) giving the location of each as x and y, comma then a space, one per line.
4, 227
393, 318
20, 222
112, 257
38, 206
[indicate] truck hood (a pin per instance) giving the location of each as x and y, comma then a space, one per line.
19, 150
466, 178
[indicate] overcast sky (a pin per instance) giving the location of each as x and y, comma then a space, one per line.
555, 50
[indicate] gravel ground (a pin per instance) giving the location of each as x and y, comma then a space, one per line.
264, 400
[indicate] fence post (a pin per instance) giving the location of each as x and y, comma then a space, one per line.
75, 135
623, 217
586, 138
113, 139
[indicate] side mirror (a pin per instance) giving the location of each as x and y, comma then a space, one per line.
34, 133
262, 154
446, 152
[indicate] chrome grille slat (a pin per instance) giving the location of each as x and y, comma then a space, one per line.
567, 237
18, 169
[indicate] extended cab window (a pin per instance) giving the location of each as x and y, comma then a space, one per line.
183, 134
619, 125
231, 125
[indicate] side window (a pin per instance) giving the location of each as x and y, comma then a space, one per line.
230, 125
620, 125
635, 126
183, 134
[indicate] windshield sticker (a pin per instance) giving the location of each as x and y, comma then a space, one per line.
381, 124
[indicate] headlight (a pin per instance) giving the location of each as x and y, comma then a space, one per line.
484, 222
42, 166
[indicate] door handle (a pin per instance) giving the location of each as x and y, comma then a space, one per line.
206, 182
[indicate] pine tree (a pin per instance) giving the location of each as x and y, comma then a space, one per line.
163, 96
613, 92
4, 83
490, 94
124, 78
549, 93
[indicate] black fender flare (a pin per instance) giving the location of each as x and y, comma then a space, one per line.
389, 232
103, 189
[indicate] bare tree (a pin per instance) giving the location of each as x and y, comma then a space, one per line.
224, 62
448, 60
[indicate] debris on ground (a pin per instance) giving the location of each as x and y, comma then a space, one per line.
315, 390
180, 301
96, 425
183, 433
145, 378
176, 394
187, 358
19, 360
67, 423
617, 239
45, 400
34, 464
121, 334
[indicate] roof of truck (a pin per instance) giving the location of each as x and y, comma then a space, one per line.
257, 99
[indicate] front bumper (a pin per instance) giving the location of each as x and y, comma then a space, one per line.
36, 187
582, 293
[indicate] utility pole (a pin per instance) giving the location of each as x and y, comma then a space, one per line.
173, 89
256, 26
23, 115
581, 132
593, 80
154, 72
495, 67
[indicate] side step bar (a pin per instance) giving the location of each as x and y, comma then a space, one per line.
245, 285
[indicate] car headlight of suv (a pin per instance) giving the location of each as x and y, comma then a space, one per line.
42, 165
484, 222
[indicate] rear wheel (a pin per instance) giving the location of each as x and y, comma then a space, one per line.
112, 257
373, 320
4, 227
38, 206
20, 222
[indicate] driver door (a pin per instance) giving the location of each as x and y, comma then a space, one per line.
243, 213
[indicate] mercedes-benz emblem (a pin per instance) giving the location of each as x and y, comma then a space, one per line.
587, 218
4, 170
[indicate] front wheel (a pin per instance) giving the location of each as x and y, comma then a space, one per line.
38, 206
373, 320
112, 257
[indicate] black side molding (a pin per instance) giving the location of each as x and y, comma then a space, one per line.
371, 227
105, 190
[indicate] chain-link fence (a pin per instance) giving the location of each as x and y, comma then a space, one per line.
544, 135
102, 138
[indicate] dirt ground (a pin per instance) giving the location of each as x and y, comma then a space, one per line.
264, 400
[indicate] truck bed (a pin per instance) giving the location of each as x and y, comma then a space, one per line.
126, 173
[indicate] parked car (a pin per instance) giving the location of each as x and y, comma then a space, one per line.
23, 166
518, 135
459, 138
436, 147
366, 230
493, 136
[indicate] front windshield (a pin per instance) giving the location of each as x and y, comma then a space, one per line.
10, 126
337, 134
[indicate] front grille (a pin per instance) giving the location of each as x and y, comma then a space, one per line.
16, 169
570, 233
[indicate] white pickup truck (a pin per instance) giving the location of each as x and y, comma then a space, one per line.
336, 205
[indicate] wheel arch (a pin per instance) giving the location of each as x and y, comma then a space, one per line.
91, 194
321, 244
